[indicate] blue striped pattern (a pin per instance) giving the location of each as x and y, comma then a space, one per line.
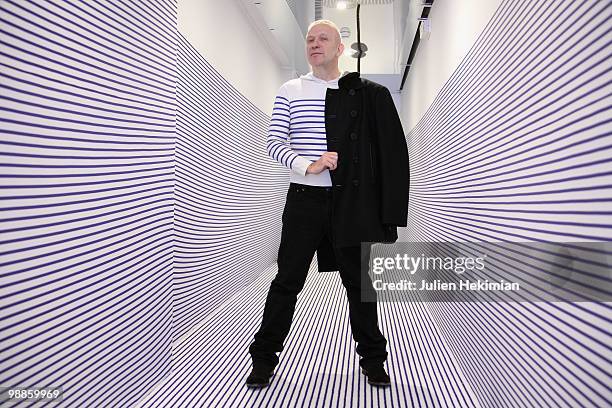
87, 161
517, 144
297, 128
141, 217
516, 147
229, 194
471, 180
319, 367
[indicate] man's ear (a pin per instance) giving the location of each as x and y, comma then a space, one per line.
341, 48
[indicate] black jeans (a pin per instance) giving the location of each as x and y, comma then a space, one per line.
306, 220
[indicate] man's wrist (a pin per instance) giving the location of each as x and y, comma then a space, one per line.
300, 165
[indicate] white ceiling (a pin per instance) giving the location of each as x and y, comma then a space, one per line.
387, 30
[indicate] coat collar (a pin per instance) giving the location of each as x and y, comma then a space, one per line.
350, 80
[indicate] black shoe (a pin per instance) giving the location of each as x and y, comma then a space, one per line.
259, 377
377, 376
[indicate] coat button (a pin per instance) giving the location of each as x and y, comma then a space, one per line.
356, 159
355, 183
353, 136
353, 113
351, 92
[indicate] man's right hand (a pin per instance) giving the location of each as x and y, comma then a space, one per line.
328, 160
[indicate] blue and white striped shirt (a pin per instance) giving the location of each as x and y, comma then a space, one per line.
296, 135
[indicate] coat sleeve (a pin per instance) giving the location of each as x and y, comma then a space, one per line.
392, 161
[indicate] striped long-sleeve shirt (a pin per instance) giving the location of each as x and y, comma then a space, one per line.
296, 135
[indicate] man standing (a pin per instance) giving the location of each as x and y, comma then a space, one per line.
342, 139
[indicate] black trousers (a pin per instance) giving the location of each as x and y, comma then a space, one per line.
306, 220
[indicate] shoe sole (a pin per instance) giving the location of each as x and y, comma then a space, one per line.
259, 385
379, 384
375, 383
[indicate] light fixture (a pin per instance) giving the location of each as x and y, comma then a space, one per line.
341, 5
355, 46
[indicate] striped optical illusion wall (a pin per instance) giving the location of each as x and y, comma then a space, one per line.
517, 147
141, 216
228, 192
88, 136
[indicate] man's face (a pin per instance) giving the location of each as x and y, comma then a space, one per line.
323, 46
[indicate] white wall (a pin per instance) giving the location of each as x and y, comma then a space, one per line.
455, 27
224, 35
378, 37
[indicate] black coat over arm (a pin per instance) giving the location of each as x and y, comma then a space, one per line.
372, 180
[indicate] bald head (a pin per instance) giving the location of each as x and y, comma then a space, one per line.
324, 45
327, 23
